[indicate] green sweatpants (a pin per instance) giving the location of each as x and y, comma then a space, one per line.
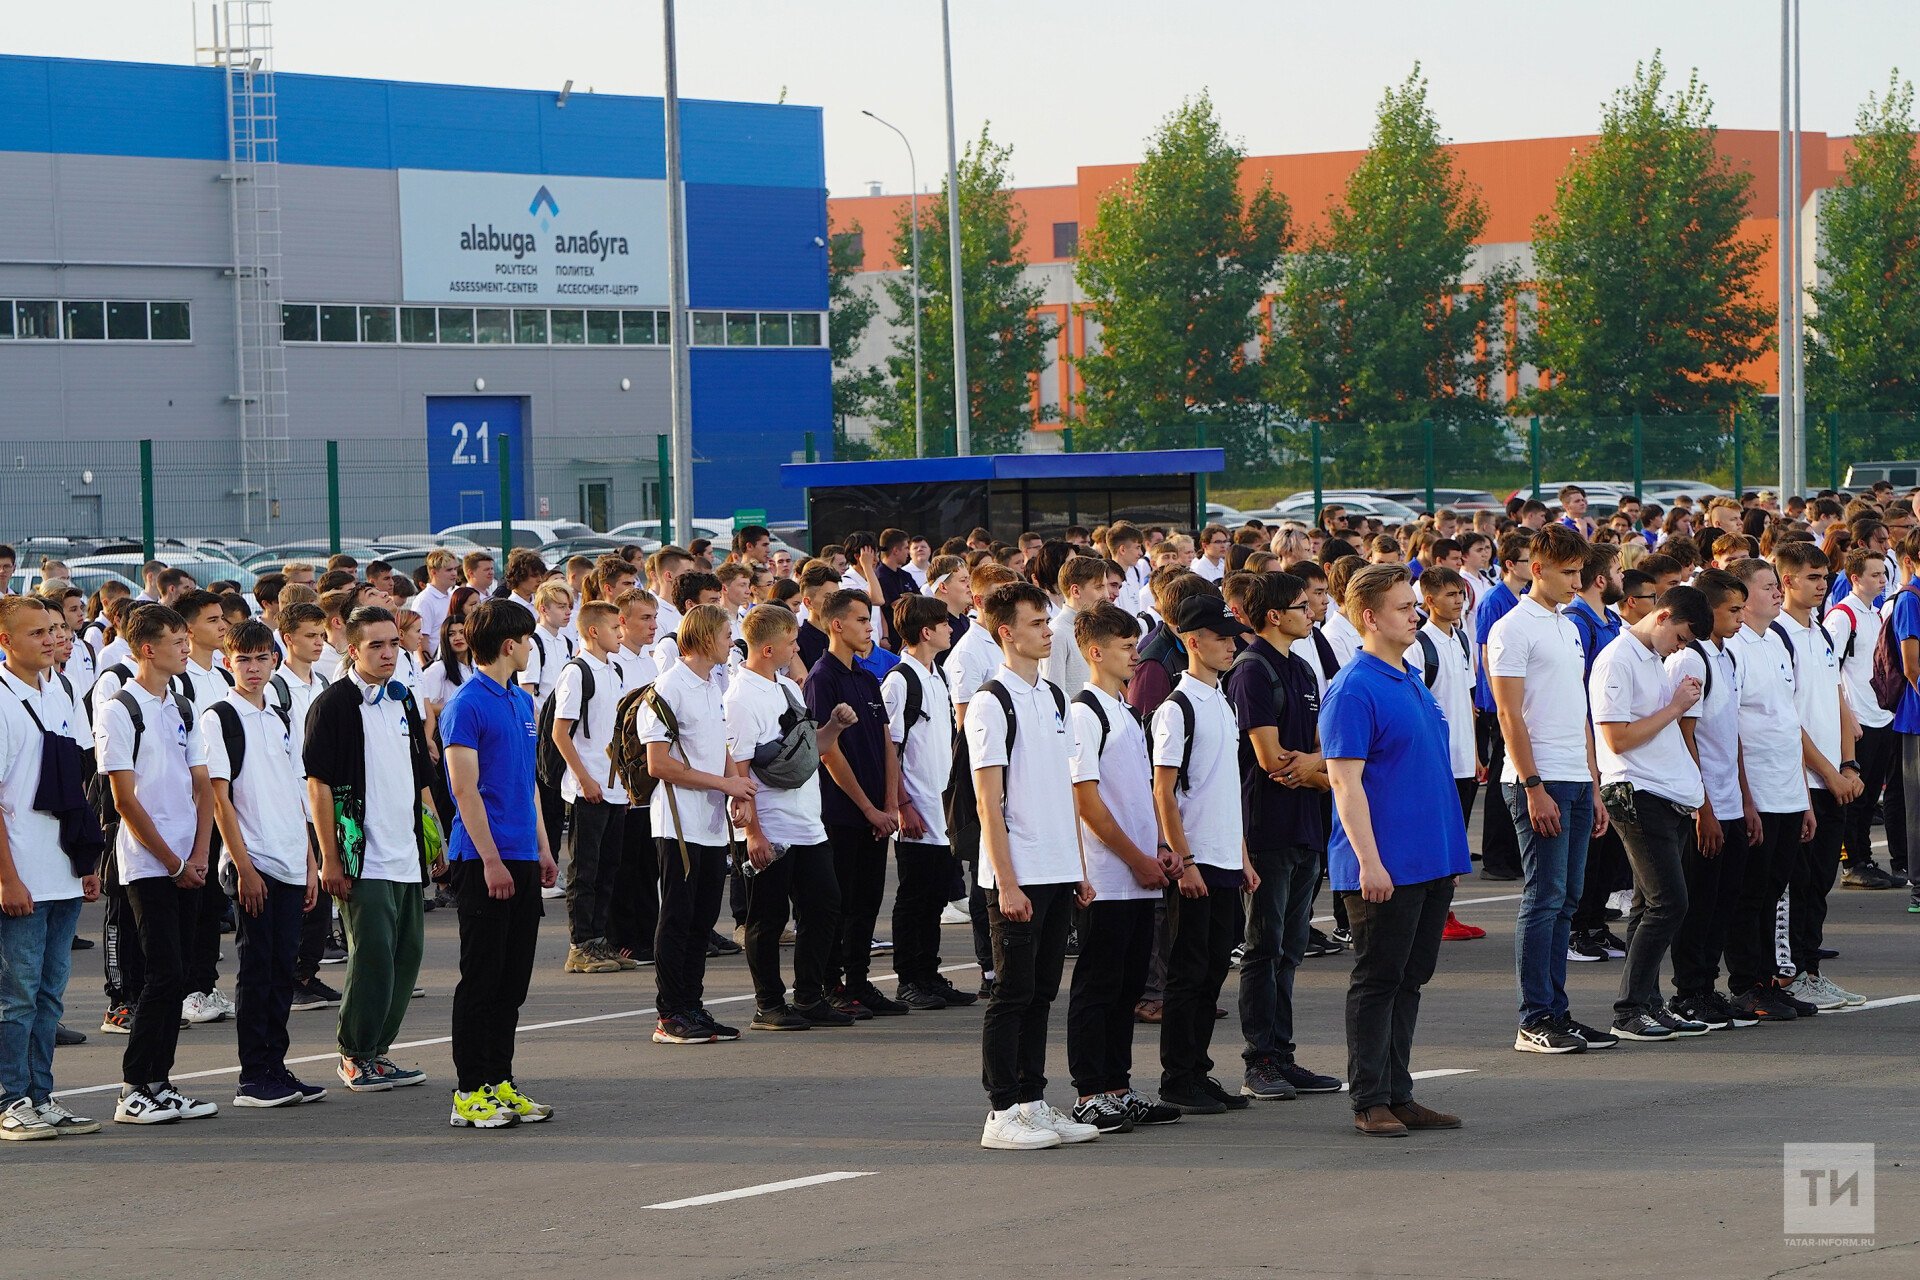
386, 933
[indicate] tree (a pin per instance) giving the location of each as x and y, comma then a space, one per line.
1385, 332
1174, 272
1648, 297
849, 312
1863, 345
1007, 343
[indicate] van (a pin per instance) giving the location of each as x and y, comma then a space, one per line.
1864, 475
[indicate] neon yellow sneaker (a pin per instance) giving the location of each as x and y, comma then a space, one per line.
481, 1109
523, 1108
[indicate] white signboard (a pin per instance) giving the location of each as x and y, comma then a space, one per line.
507, 239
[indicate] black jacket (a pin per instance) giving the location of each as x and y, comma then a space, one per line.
336, 754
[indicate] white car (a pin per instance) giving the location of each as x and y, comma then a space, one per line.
716, 530
1301, 509
531, 533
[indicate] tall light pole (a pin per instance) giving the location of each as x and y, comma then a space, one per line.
919, 386
1799, 294
962, 428
679, 390
1789, 444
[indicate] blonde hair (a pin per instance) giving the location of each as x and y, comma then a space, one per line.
1368, 587
441, 558
552, 591
703, 629
766, 624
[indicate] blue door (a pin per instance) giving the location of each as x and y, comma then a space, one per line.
464, 440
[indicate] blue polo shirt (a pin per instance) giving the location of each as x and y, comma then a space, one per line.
1597, 629
1906, 626
1385, 716
1495, 605
499, 724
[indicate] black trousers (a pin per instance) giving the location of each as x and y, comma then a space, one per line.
496, 963
553, 813
1326, 825
926, 871
267, 945
1028, 957
1608, 870
120, 950
803, 878
315, 925
1878, 752
202, 942
164, 914
1499, 843
635, 911
1769, 870
1467, 789
1202, 951
1813, 876
599, 833
1396, 944
689, 905
860, 867
1116, 938
1713, 887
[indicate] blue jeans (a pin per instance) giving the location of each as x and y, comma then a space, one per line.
1277, 927
1555, 868
36, 953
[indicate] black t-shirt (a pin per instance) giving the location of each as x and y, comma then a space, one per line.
1276, 817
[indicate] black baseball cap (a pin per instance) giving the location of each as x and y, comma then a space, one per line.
1207, 613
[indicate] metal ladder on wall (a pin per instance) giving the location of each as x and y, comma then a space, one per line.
242, 47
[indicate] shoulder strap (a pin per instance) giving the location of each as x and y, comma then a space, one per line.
1429, 658
234, 734
586, 695
1005, 699
1059, 699
1793, 655
1706, 660
67, 685
1086, 699
914, 711
283, 692
1853, 629
126, 699
225, 675
1181, 700
1329, 664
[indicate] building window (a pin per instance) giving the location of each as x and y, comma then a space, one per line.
299, 322
776, 329
127, 321
569, 328
530, 327
636, 328
709, 329
857, 245
743, 329
6, 319
86, 321
376, 325
171, 322
1066, 239
417, 324
493, 325
37, 319
456, 325
603, 328
339, 324
806, 329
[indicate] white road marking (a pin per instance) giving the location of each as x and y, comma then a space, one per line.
1457, 903
1881, 1003
763, 1189
1435, 1074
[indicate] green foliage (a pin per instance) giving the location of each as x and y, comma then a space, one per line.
1382, 329
849, 312
1175, 272
1647, 292
1007, 343
1863, 341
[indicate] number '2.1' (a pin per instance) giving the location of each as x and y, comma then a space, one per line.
470, 448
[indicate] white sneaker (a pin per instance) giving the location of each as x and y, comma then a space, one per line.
189, 1108
22, 1122
225, 1004
201, 1007
1621, 900
1014, 1130
1807, 987
955, 913
1827, 986
559, 889
1069, 1129
64, 1122
137, 1106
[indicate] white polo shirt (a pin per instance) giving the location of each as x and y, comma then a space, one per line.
205, 686
1816, 690
116, 650
170, 749
33, 837
1042, 833
1769, 722
436, 685
1542, 646
1716, 724
1208, 569
1862, 630
928, 762
594, 730
1210, 807
973, 660
431, 603
1066, 666
696, 708
550, 653
639, 665
392, 799
268, 797
1452, 687
753, 707
1630, 683
1125, 775
1342, 636
80, 669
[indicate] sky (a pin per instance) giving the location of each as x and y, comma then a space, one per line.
1065, 82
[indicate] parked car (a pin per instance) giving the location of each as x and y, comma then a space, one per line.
269, 559
1301, 509
1452, 499
713, 528
204, 568
1665, 491
1864, 475
527, 533
89, 579
1222, 514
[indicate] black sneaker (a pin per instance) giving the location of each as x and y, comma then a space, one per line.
1616, 949
1306, 1081
1583, 947
986, 984
1801, 1008
1194, 1102
314, 994
914, 995
850, 1007
1722, 1007
780, 1018
676, 1028
1680, 1026
1342, 935
65, 1036
1758, 1005
720, 1030
1497, 873
1642, 1026
1867, 876
1145, 1111
1319, 944
875, 1001
1595, 1038
1231, 1101
953, 995
83, 943
719, 945
1701, 1009
1264, 1082
1105, 1112
822, 1014
335, 952
1544, 1035
1825, 953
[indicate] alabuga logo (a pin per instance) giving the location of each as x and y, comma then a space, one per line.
544, 197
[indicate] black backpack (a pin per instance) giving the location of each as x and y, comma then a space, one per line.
1706, 660
915, 709
963, 814
1085, 698
234, 734
549, 765
100, 786
1430, 654
119, 669
1181, 700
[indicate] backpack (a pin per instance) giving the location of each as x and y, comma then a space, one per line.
234, 735
1853, 630
1086, 699
549, 766
1889, 672
119, 669
1706, 660
99, 787
914, 710
1430, 654
1185, 704
627, 752
1005, 699
1164, 648
791, 759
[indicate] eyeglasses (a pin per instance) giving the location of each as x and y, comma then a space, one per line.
1303, 607
1642, 598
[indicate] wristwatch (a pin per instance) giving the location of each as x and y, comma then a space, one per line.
1850, 764
1531, 781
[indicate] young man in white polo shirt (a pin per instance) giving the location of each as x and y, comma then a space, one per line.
433, 599
971, 662
583, 725
1447, 668
552, 607
1030, 864
1083, 584
261, 810
1828, 732
1853, 625
1215, 543
294, 686
1128, 866
1651, 787
1551, 784
1777, 800
1196, 796
41, 886
204, 682
158, 771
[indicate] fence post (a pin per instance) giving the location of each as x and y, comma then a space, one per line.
811, 454
1200, 442
1533, 453
1066, 439
506, 497
333, 497
1639, 453
1833, 451
1318, 487
1739, 454
146, 496
1426, 427
663, 443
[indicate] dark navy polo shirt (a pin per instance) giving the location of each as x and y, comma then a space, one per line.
864, 743
1276, 817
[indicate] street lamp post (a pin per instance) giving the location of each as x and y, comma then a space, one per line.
919, 386
678, 379
962, 427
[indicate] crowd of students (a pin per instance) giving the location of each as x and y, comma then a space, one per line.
1140, 749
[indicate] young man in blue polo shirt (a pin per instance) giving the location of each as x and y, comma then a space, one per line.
1905, 621
1396, 847
500, 863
